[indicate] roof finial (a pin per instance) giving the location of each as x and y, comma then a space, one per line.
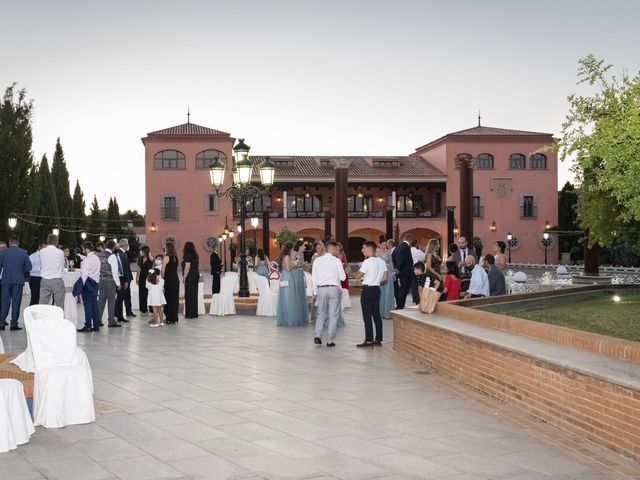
479, 118
188, 115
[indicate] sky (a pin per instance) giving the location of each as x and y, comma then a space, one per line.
331, 77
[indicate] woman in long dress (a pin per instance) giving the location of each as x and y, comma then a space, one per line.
190, 277
433, 263
292, 296
498, 252
262, 263
171, 282
387, 300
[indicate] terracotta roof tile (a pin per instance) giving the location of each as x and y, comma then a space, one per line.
493, 131
187, 129
320, 166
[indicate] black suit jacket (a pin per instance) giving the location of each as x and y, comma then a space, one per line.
216, 263
457, 257
14, 264
124, 264
404, 262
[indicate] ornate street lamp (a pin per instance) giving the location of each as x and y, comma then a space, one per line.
56, 231
509, 238
545, 243
102, 238
83, 236
13, 221
242, 191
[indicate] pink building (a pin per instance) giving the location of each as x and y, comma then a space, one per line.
514, 190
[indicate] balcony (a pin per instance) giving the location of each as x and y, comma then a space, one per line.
170, 213
419, 214
373, 214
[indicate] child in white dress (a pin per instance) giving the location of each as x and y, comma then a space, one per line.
155, 299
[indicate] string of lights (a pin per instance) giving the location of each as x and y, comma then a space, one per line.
15, 217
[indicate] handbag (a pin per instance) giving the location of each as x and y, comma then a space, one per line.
274, 273
428, 300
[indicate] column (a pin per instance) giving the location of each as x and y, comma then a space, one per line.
341, 167
465, 164
265, 231
389, 221
284, 204
327, 222
394, 203
450, 224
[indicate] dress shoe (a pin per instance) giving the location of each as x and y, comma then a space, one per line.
378, 343
101, 324
131, 314
2, 327
317, 340
331, 344
115, 325
365, 344
84, 329
123, 320
16, 328
95, 329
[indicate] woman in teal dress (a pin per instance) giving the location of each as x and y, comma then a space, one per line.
261, 263
292, 309
387, 301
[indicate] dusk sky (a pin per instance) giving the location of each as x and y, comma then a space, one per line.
296, 77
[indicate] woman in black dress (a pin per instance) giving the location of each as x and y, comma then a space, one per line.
190, 277
171, 282
145, 263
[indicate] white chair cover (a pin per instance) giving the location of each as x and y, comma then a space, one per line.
346, 299
201, 308
251, 278
308, 280
16, 426
1, 346
63, 386
24, 361
222, 303
267, 300
135, 295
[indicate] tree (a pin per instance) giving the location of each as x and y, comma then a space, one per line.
568, 218
135, 217
43, 202
95, 224
286, 235
114, 222
60, 179
602, 133
78, 215
16, 160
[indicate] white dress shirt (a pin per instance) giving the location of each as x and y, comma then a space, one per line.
90, 268
479, 284
52, 262
35, 264
327, 270
113, 263
374, 269
417, 255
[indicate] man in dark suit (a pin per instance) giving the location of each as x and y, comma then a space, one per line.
14, 264
404, 269
463, 252
124, 272
216, 269
497, 284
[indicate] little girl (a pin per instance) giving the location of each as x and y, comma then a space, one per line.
156, 298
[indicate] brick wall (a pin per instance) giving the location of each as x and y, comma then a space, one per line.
602, 412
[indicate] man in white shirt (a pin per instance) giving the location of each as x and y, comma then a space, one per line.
52, 270
90, 274
327, 273
373, 271
479, 285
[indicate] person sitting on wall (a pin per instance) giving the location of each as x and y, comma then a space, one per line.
479, 284
421, 278
497, 284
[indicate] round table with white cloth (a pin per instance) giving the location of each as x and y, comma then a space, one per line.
70, 303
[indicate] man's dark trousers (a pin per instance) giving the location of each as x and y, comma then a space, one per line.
34, 286
90, 301
121, 297
403, 291
11, 297
370, 302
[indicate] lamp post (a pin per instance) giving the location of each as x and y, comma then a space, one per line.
224, 249
509, 238
13, 221
83, 236
545, 243
254, 224
56, 231
242, 191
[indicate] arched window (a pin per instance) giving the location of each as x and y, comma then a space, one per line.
484, 161
171, 159
205, 158
539, 161
516, 161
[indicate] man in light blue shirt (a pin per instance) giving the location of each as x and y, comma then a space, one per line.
35, 277
479, 285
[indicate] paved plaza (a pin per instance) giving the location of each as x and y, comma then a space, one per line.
238, 397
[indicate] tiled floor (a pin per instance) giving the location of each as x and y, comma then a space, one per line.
238, 397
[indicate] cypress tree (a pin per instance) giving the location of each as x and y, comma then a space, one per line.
95, 224
114, 223
60, 179
16, 159
78, 214
43, 202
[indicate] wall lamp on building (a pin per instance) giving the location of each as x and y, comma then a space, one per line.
456, 230
493, 227
359, 192
547, 225
242, 190
153, 228
307, 193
